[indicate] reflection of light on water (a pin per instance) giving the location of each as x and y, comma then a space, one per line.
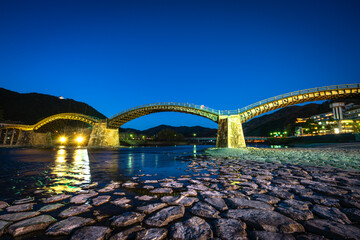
278, 146
77, 157
142, 159
156, 160
130, 162
60, 159
82, 165
194, 150
61, 152
70, 173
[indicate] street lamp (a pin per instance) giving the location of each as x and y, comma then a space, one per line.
62, 139
79, 139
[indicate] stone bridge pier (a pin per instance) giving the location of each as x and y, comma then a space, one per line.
34, 139
230, 132
101, 136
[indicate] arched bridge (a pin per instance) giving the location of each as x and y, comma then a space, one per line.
25, 134
67, 116
61, 116
245, 113
292, 98
230, 121
123, 117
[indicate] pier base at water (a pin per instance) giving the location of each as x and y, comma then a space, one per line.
230, 132
101, 136
34, 139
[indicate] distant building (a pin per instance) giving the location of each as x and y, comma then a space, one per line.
300, 120
337, 108
344, 118
352, 114
322, 117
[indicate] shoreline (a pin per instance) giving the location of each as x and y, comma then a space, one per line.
349, 145
220, 197
342, 156
96, 147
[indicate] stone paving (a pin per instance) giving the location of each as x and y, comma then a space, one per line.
220, 198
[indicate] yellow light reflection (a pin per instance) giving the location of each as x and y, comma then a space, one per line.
61, 152
82, 165
70, 171
130, 163
142, 159
60, 159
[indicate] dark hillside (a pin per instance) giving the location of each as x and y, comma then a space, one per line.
29, 108
278, 120
185, 131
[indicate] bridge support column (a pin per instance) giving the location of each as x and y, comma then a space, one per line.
18, 137
230, 133
34, 139
41, 139
12, 137
5, 138
24, 138
101, 136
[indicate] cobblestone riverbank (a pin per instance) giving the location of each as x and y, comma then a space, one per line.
220, 198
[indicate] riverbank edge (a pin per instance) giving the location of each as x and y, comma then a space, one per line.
220, 197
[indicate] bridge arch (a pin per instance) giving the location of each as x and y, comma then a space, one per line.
292, 98
123, 117
66, 116
61, 116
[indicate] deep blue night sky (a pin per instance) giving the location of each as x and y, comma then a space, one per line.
115, 55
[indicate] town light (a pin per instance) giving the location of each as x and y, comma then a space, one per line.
79, 139
62, 139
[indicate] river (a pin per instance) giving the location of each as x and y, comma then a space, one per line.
25, 170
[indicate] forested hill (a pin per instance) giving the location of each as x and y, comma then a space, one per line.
29, 108
185, 131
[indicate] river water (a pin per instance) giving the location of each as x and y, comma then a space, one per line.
25, 170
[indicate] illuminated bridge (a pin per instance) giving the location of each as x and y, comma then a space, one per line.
230, 133
123, 117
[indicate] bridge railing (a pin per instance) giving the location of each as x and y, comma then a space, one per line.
310, 90
241, 110
189, 105
59, 115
